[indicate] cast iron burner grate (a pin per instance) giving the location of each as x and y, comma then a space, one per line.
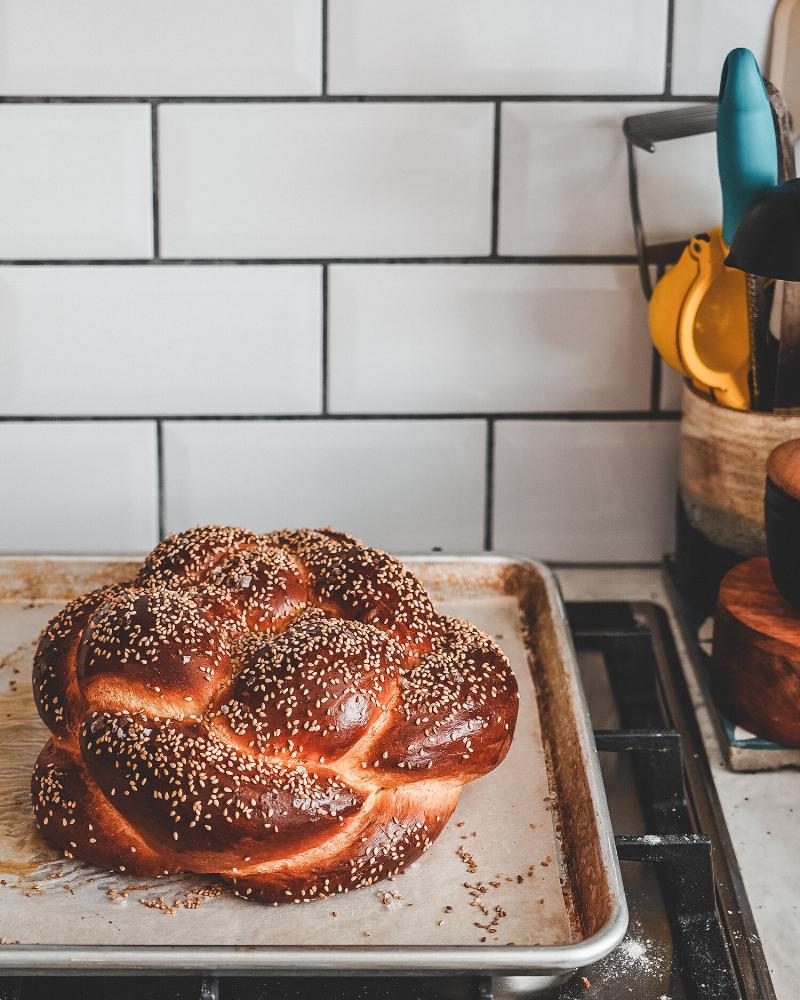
692, 934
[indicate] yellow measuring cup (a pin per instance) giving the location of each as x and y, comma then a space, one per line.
699, 321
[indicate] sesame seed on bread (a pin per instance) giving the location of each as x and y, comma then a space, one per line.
286, 710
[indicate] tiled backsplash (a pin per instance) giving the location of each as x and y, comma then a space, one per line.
325, 180
477, 338
360, 262
405, 484
141, 341
75, 181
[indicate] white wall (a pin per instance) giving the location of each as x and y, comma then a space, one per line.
363, 261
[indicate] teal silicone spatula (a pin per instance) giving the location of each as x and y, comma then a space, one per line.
747, 159
747, 151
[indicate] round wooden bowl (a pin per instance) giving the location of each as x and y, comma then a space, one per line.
723, 461
782, 519
755, 674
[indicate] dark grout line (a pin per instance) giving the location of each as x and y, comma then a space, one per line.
670, 42
656, 365
606, 416
358, 99
488, 504
324, 25
160, 476
496, 178
656, 375
324, 368
577, 259
155, 171
490, 419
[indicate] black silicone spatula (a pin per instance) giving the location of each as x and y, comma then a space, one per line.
767, 243
787, 378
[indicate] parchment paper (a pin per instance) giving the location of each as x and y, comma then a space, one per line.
503, 823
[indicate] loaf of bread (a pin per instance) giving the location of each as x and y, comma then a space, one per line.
286, 710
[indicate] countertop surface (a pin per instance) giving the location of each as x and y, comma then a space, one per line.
762, 809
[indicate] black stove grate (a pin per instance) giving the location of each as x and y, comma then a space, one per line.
692, 933
711, 949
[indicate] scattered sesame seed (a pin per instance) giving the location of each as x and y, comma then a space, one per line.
293, 648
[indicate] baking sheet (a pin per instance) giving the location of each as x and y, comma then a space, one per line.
499, 852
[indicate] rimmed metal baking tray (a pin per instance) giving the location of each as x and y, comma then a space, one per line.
529, 851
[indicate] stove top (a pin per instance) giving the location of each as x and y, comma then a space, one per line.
692, 933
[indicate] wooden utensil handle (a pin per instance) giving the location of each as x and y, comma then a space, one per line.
787, 380
782, 120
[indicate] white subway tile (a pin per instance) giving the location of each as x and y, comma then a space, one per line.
399, 485
585, 492
564, 185
160, 340
482, 337
671, 388
486, 47
75, 181
309, 180
706, 31
151, 47
78, 487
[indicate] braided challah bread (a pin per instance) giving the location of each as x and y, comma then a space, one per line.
286, 710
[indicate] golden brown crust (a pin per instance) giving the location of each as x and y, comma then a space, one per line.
55, 688
75, 814
313, 691
186, 558
453, 717
286, 710
208, 804
364, 584
153, 650
395, 827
